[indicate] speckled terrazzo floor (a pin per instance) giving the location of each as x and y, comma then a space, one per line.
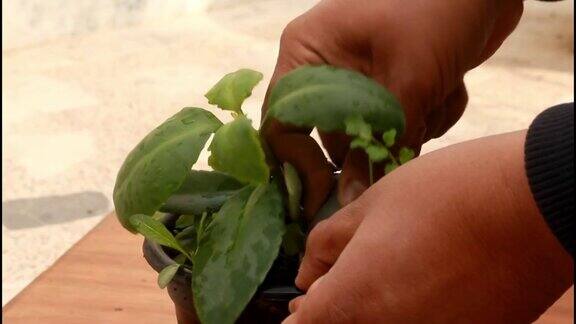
73, 106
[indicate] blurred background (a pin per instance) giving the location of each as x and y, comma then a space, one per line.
83, 81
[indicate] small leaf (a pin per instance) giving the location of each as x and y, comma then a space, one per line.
377, 153
294, 240
231, 91
294, 188
389, 137
356, 126
167, 274
405, 155
391, 166
181, 259
185, 221
359, 143
187, 238
236, 150
202, 227
155, 231
159, 216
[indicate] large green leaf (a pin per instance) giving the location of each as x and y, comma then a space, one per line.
325, 96
236, 150
236, 252
201, 191
160, 163
231, 91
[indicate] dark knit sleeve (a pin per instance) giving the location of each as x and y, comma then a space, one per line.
549, 159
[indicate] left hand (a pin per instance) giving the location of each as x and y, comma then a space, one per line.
451, 237
419, 50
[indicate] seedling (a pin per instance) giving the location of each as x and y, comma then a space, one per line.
235, 219
376, 150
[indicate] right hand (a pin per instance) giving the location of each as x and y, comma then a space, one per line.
420, 50
454, 236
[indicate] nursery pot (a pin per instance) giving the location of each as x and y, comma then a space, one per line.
268, 305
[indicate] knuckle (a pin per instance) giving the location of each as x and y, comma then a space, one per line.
321, 237
336, 231
290, 32
320, 246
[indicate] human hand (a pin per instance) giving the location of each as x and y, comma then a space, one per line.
451, 237
420, 50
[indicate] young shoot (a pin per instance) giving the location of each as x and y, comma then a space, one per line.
376, 150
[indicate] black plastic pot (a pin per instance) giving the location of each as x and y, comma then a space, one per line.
269, 305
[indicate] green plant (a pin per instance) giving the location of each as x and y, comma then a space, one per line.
235, 219
376, 150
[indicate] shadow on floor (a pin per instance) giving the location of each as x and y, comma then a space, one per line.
35, 212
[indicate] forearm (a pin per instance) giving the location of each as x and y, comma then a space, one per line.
493, 224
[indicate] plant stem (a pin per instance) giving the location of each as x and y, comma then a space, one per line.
393, 159
200, 232
371, 172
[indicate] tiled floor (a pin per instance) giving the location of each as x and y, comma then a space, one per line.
74, 106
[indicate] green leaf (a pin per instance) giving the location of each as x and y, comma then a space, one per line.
294, 240
185, 221
325, 96
359, 143
160, 163
159, 216
167, 274
202, 191
294, 188
391, 166
188, 238
255, 198
181, 259
377, 153
389, 137
356, 126
202, 225
235, 254
237, 151
155, 231
405, 155
231, 91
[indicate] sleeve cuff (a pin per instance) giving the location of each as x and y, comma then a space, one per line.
549, 160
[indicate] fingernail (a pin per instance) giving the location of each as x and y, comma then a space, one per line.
295, 303
349, 191
290, 320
